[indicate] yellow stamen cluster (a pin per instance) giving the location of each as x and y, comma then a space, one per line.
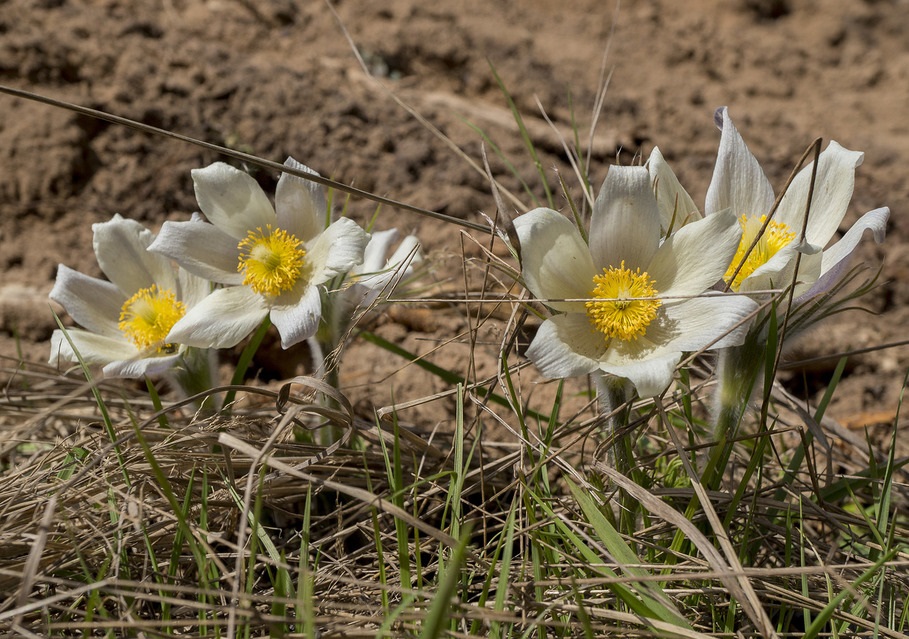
621, 307
272, 260
775, 236
147, 317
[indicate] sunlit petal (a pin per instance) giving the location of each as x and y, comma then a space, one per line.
92, 303
300, 204
696, 257
232, 200
221, 320
200, 248
555, 261
676, 207
738, 181
336, 250
833, 189
626, 220
300, 321
121, 248
566, 346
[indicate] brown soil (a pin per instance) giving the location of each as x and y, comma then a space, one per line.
279, 78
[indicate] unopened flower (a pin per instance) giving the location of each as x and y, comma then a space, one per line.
739, 184
628, 304
272, 260
126, 320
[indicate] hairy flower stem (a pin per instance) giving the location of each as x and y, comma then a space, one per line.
197, 375
325, 347
738, 368
614, 395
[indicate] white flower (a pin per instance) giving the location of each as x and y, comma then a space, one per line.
739, 184
377, 274
125, 320
644, 303
272, 260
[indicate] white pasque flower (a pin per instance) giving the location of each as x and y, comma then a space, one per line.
125, 320
377, 274
644, 298
272, 260
739, 184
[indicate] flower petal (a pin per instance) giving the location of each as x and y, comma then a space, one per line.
836, 259
121, 247
92, 303
93, 348
300, 204
221, 320
676, 207
336, 250
232, 200
712, 321
376, 278
650, 376
696, 257
376, 249
300, 321
135, 368
200, 248
555, 261
779, 271
626, 220
832, 193
738, 181
566, 346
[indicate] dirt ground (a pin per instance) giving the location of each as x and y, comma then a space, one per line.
279, 78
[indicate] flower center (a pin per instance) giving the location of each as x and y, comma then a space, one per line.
775, 236
271, 260
147, 317
621, 308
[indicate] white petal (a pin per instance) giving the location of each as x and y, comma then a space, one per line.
135, 368
298, 322
714, 321
92, 303
336, 251
384, 277
300, 204
697, 256
121, 247
93, 348
832, 194
836, 259
555, 261
738, 181
626, 220
676, 206
408, 252
779, 271
376, 249
566, 346
232, 200
201, 249
221, 320
192, 288
874, 221
650, 376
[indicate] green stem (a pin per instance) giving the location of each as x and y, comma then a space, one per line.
737, 373
614, 395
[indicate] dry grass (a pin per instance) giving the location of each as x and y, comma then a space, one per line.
246, 526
